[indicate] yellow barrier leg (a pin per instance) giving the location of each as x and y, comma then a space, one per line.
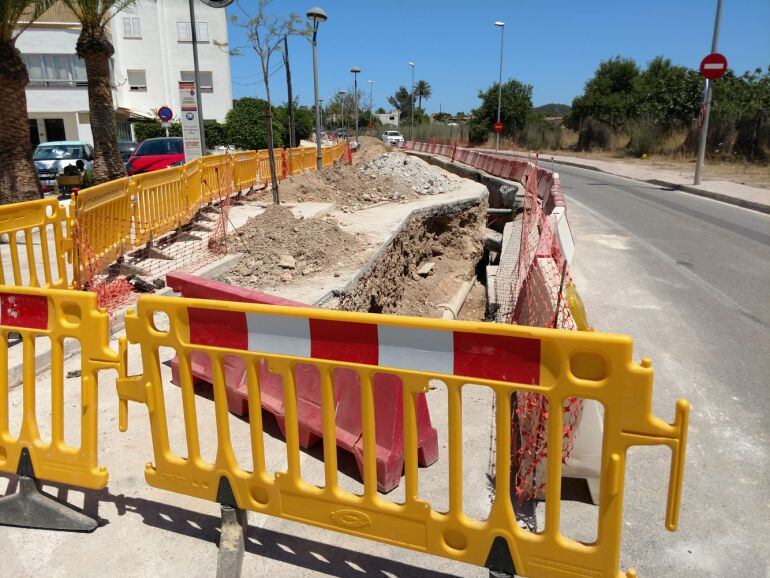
29, 508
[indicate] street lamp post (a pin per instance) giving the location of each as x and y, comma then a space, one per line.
342, 94
704, 129
411, 125
355, 70
499, 83
317, 16
371, 101
321, 108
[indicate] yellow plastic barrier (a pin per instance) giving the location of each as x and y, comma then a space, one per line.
39, 235
504, 358
104, 217
57, 314
246, 170
160, 203
120, 216
216, 176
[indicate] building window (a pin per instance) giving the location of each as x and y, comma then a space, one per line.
184, 33
137, 79
55, 70
131, 27
207, 79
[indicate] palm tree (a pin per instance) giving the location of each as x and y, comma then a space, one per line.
95, 48
18, 178
422, 90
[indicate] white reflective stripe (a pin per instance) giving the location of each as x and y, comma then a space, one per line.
416, 349
279, 334
714, 66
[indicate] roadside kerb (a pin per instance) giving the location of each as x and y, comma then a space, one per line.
698, 191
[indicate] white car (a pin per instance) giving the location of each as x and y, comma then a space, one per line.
393, 138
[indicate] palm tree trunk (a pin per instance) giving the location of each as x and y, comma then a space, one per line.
18, 178
95, 49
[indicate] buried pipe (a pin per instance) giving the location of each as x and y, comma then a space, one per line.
452, 309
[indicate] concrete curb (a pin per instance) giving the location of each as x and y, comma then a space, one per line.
728, 199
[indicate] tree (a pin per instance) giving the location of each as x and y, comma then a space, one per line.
402, 100
18, 178
442, 116
246, 125
266, 33
94, 47
380, 111
516, 106
609, 95
422, 90
304, 121
667, 95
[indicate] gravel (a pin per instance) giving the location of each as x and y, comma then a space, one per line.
421, 176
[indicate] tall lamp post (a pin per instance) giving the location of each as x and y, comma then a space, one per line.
499, 83
342, 94
704, 129
321, 107
411, 125
355, 70
371, 101
317, 16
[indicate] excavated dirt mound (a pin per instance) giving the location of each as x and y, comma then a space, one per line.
370, 148
345, 186
424, 178
278, 248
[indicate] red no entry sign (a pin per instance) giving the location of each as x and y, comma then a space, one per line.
713, 66
497, 127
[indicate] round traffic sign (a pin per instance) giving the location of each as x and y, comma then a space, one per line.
713, 66
165, 114
497, 127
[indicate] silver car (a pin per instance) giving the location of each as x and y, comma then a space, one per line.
393, 138
51, 158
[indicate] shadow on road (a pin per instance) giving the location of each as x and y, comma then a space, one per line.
300, 552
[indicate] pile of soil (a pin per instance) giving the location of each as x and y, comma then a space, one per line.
369, 148
279, 248
345, 186
424, 178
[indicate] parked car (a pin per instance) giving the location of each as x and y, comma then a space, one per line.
127, 148
155, 154
393, 138
51, 158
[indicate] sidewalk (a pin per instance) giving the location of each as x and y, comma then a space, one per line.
754, 198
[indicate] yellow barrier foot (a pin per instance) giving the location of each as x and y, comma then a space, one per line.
29, 508
499, 560
232, 542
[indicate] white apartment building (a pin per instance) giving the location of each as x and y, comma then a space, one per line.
153, 53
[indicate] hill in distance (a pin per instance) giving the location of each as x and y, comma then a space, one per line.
553, 109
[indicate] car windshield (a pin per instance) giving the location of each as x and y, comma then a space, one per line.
170, 146
393, 133
58, 152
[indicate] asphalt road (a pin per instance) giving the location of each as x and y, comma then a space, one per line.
689, 279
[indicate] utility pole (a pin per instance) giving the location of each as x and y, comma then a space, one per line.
317, 16
411, 125
194, 36
501, 25
708, 89
292, 139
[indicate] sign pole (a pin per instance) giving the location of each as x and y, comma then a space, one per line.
194, 36
707, 103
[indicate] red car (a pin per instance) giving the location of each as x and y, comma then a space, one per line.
155, 154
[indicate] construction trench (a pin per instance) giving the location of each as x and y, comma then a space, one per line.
390, 234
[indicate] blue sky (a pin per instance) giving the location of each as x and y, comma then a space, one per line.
554, 45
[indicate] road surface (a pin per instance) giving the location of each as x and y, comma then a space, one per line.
689, 279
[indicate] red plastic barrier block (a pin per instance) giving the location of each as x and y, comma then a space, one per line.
360, 348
